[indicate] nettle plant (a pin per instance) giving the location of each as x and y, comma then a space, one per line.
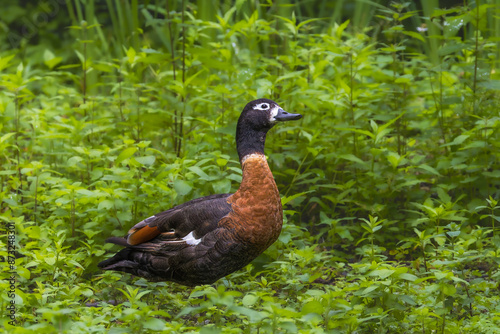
389, 182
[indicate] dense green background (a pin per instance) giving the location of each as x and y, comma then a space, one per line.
115, 110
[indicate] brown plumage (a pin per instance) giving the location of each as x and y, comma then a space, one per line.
205, 239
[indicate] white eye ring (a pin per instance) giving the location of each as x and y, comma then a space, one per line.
262, 106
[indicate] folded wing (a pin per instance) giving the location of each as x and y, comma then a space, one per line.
165, 245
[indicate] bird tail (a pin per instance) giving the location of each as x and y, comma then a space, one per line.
133, 260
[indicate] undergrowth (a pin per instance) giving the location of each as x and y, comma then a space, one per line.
390, 182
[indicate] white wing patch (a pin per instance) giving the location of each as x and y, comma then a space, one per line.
191, 240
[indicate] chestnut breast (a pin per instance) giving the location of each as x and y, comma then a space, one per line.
257, 216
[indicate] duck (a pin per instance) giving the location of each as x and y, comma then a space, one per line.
208, 238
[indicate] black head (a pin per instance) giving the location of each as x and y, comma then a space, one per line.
258, 117
263, 114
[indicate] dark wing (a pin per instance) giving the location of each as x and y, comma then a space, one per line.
199, 217
158, 246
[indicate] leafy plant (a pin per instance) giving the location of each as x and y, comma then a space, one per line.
113, 111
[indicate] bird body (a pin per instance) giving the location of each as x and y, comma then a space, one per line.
202, 240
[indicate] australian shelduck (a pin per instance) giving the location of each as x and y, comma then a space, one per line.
205, 239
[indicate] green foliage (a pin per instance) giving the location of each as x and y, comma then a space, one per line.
390, 182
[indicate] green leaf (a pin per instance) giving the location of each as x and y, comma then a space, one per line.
441, 275
443, 196
286, 199
394, 159
341, 28
414, 35
253, 315
125, 154
382, 273
457, 141
87, 293
154, 324
64, 67
249, 300
131, 55
191, 78
221, 162
429, 169
105, 205
363, 132
313, 306
23, 272
221, 186
50, 60
448, 289
198, 171
384, 128
6, 136
210, 330
146, 160
86, 192
493, 174
33, 232
301, 24
4, 61
182, 187
368, 290
408, 277
490, 84
353, 158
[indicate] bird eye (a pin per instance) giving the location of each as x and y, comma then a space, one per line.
262, 106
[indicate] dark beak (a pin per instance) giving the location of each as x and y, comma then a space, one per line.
286, 116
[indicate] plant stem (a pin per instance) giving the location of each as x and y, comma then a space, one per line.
492, 221
296, 174
468, 294
72, 213
438, 106
120, 101
36, 198
181, 120
444, 322
476, 56
84, 83
138, 112
174, 69
221, 124
351, 99
18, 151
423, 256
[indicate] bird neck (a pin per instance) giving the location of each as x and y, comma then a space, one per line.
257, 176
248, 140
